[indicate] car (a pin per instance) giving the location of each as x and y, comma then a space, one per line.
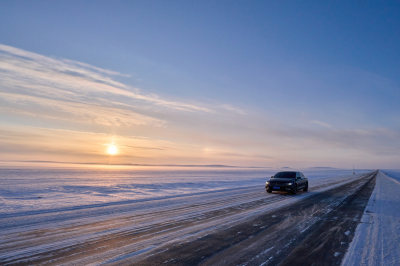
289, 181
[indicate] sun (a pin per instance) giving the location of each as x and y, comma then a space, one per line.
112, 149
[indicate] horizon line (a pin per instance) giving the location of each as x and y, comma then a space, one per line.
134, 164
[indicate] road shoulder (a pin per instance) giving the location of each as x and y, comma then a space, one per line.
377, 237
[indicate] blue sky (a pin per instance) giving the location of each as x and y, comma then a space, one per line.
289, 74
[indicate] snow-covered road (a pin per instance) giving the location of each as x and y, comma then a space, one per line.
377, 238
129, 231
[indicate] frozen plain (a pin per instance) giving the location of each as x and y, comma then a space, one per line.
122, 217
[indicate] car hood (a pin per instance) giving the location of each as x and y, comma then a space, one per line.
281, 179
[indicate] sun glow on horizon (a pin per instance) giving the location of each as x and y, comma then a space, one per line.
112, 149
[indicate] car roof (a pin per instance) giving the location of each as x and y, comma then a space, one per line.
288, 172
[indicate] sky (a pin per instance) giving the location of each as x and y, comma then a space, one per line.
238, 83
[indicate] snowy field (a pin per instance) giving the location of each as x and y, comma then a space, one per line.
33, 190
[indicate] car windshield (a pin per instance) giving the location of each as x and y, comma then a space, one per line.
285, 175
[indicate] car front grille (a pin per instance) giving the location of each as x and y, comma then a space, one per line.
279, 183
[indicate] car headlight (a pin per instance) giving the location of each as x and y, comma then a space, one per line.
290, 184
267, 183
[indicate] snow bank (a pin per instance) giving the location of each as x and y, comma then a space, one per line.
377, 237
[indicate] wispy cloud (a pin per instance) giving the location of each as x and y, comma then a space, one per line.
321, 123
27, 73
233, 109
74, 112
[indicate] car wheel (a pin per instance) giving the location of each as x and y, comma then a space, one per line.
306, 188
294, 191
269, 190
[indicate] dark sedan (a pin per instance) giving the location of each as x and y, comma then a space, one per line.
289, 181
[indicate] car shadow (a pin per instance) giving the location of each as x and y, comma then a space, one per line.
284, 193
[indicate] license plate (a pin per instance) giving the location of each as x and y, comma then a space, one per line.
276, 187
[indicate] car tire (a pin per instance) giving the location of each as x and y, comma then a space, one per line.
306, 188
269, 190
294, 191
